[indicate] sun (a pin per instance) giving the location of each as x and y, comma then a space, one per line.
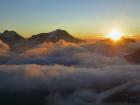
115, 35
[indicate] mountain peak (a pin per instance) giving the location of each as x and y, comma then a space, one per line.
59, 31
59, 34
54, 36
9, 32
11, 37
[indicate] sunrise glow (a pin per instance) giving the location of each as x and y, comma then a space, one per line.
115, 35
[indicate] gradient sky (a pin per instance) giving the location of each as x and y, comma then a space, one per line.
82, 18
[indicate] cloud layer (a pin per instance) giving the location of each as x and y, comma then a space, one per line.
84, 85
69, 74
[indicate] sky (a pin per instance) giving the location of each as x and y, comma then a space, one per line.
82, 18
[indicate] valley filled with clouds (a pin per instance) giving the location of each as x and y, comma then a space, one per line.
66, 73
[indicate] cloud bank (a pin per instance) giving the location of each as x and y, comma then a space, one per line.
69, 74
70, 85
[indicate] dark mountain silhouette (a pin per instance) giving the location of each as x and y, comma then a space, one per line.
134, 57
16, 41
123, 40
11, 38
19, 44
127, 40
53, 37
107, 40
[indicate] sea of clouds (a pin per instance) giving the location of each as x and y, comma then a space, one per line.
69, 74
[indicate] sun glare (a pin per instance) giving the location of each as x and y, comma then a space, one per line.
115, 35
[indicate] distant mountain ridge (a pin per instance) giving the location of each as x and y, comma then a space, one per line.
53, 36
13, 39
123, 40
